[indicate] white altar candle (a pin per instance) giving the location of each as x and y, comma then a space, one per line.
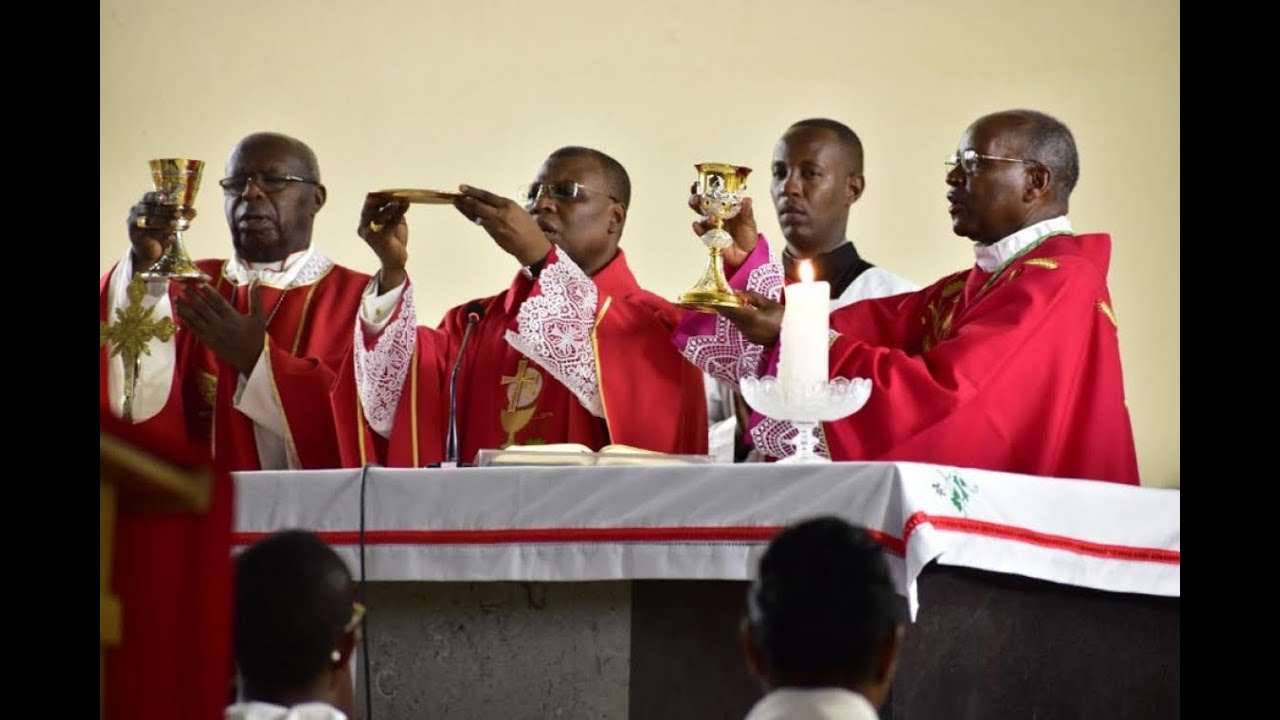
804, 362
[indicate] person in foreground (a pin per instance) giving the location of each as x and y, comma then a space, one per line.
1011, 365
296, 621
824, 624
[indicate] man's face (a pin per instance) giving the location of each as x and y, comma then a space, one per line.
270, 216
811, 188
586, 227
991, 200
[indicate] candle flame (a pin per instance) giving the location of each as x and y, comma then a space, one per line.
806, 271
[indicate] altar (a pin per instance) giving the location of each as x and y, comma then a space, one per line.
616, 592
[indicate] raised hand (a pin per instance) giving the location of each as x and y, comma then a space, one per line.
513, 228
760, 319
384, 228
151, 226
234, 337
741, 226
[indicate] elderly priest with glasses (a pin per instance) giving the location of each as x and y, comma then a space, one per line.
573, 351
247, 369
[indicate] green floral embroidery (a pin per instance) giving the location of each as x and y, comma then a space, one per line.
956, 489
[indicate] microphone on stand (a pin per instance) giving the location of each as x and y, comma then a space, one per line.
474, 311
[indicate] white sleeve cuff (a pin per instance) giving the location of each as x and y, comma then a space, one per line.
256, 397
375, 309
381, 367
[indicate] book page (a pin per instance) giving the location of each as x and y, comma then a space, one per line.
575, 454
628, 455
550, 448
628, 450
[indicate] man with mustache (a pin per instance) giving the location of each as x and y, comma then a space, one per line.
573, 351
1010, 365
256, 350
816, 178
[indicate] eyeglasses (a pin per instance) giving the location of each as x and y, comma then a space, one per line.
968, 160
267, 182
562, 191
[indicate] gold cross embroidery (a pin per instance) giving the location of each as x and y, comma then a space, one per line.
130, 335
515, 417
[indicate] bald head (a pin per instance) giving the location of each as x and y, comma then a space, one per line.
291, 146
1045, 139
1013, 169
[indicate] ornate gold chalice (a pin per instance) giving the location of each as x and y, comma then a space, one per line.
176, 181
720, 191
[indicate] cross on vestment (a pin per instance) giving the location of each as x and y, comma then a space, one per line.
515, 416
130, 335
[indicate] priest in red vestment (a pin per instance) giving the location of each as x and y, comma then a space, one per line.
249, 366
1011, 365
574, 350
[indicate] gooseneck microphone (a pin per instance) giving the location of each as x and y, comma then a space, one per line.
474, 311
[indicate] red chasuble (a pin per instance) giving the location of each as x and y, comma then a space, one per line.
308, 335
563, 358
172, 574
1017, 371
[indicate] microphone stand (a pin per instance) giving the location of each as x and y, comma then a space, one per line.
451, 440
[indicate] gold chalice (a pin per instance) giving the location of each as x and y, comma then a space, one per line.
176, 181
721, 190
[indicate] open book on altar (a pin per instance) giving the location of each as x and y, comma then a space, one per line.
575, 454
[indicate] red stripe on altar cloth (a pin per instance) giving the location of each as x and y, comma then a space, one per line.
519, 536
1033, 537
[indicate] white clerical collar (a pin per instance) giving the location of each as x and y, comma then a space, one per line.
254, 710
278, 274
812, 703
994, 256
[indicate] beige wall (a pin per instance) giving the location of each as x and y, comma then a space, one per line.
424, 93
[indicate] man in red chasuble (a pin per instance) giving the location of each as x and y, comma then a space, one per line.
574, 350
249, 366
